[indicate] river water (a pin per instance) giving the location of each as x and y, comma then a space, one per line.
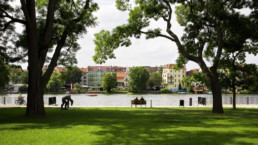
124, 100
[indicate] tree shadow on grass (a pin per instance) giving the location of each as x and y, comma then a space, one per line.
146, 126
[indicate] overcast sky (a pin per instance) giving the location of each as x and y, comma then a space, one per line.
142, 52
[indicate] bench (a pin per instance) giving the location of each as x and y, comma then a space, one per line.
138, 102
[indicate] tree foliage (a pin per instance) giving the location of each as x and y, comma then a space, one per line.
25, 77
187, 81
18, 76
55, 82
160, 70
200, 79
108, 82
138, 79
72, 75
155, 79
23, 89
245, 76
78, 87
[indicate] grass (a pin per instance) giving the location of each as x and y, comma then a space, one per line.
143, 126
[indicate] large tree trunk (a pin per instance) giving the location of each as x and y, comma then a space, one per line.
234, 97
213, 80
216, 94
234, 83
35, 104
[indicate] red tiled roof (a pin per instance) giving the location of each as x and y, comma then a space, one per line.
193, 70
169, 66
85, 70
118, 69
190, 72
102, 68
59, 69
121, 75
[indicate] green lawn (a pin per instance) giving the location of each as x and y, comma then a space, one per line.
143, 126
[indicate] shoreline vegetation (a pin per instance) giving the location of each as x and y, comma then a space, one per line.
126, 92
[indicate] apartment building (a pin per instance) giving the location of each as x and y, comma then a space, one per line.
84, 78
118, 69
171, 78
95, 74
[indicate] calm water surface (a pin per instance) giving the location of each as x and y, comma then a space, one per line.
124, 100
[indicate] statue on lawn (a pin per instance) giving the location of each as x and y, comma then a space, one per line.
65, 101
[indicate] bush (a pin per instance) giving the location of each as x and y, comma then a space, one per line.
165, 90
78, 87
23, 89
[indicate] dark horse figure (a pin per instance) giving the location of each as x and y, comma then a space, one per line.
65, 101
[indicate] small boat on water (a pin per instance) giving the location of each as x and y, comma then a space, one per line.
92, 95
129, 93
181, 92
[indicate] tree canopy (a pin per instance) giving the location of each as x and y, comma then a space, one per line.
138, 79
55, 82
108, 82
72, 75
155, 79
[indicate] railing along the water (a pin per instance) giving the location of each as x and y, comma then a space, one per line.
124, 100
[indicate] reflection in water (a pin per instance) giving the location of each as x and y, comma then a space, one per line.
124, 100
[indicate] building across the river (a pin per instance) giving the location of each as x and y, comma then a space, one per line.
171, 77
